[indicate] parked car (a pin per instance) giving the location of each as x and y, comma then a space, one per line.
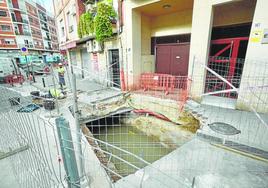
35, 66
7, 67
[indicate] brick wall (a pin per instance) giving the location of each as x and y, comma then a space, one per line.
4, 4
31, 10
3, 44
11, 32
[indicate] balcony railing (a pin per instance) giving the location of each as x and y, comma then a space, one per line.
47, 38
44, 27
20, 20
26, 33
29, 45
48, 48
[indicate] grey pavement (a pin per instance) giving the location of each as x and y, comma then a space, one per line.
253, 132
201, 165
7, 177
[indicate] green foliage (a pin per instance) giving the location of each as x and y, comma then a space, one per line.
103, 25
85, 25
100, 24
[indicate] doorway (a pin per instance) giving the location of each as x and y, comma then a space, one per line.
227, 56
172, 59
114, 68
86, 64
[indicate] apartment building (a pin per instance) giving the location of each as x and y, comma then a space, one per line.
25, 23
86, 53
67, 14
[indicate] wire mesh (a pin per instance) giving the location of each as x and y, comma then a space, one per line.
153, 143
35, 164
192, 156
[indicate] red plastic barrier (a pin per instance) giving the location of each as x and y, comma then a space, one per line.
156, 81
14, 78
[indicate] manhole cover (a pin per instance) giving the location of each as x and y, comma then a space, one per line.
223, 128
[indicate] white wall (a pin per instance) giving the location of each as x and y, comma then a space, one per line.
233, 12
172, 24
20, 40
132, 35
71, 21
256, 64
200, 40
147, 60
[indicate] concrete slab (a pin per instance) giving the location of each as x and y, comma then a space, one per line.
7, 177
219, 101
253, 132
195, 163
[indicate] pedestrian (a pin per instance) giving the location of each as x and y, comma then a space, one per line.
61, 72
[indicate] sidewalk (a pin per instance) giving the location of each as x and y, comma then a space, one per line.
253, 132
200, 164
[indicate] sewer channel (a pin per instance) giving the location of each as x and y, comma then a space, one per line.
139, 135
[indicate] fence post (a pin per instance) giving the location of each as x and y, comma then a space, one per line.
68, 153
78, 128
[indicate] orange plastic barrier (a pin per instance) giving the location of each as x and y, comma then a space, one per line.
14, 78
155, 81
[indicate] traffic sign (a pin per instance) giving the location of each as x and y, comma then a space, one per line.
24, 50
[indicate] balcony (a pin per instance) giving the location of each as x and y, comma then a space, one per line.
44, 27
71, 28
29, 45
42, 17
20, 20
48, 48
47, 38
26, 33
17, 7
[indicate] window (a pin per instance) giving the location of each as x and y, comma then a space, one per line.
26, 42
5, 27
62, 31
31, 19
10, 41
3, 13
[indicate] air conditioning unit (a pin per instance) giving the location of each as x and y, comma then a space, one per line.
97, 46
89, 7
73, 10
89, 46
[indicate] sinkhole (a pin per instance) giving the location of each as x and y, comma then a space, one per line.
128, 141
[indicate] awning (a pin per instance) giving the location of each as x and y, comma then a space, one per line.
68, 45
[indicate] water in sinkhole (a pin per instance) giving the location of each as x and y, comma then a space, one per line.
143, 137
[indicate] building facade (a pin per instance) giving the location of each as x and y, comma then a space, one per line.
25, 23
90, 58
179, 38
67, 13
188, 37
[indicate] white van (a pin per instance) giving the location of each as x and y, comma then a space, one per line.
7, 67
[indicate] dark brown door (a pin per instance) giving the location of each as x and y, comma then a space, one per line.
173, 59
163, 59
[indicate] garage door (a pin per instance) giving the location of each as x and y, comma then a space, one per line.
86, 61
73, 57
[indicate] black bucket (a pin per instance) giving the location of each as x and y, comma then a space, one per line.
35, 94
14, 101
49, 104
